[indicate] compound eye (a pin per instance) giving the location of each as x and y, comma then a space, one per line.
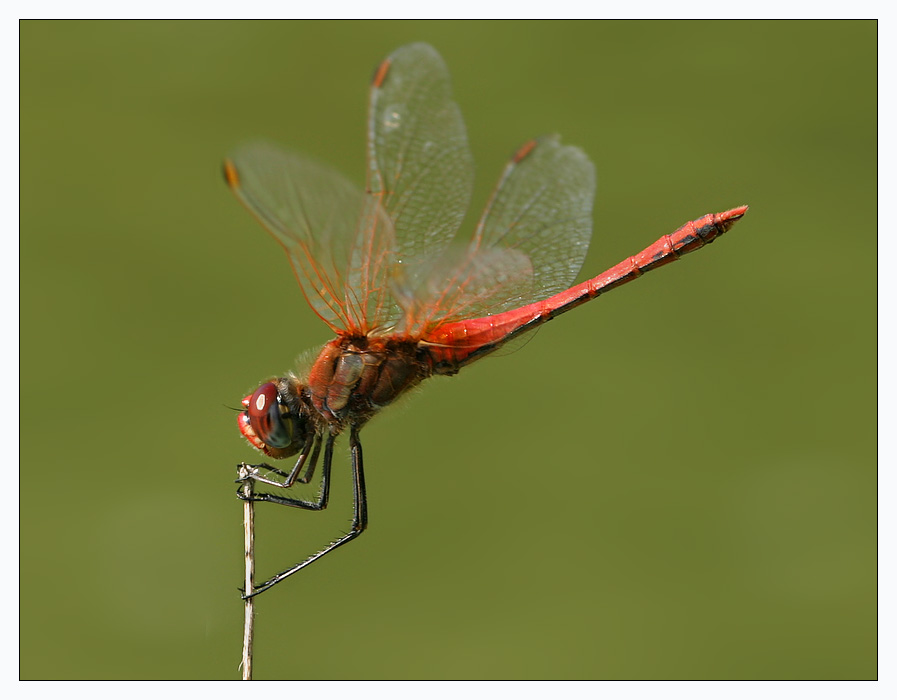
269, 418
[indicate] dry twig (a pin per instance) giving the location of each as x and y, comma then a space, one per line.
249, 548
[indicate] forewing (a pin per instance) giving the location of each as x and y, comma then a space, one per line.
346, 246
419, 164
339, 240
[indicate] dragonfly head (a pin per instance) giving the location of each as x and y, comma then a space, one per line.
273, 420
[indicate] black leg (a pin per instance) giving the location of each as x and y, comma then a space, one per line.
360, 514
323, 494
305, 478
289, 479
360, 519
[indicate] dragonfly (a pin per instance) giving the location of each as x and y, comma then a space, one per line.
407, 297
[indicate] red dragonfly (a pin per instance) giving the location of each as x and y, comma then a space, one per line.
383, 268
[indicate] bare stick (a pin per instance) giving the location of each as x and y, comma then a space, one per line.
249, 548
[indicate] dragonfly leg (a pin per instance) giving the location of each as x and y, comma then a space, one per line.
323, 494
359, 517
291, 477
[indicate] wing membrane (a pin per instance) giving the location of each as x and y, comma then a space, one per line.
419, 163
542, 207
345, 244
529, 244
339, 240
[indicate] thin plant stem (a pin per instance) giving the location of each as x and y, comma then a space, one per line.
249, 549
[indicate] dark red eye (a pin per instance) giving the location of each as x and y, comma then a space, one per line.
269, 418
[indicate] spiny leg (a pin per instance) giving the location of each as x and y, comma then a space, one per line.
312, 463
289, 478
323, 493
360, 519
359, 516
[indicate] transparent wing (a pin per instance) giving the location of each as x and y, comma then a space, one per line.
345, 244
542, 207
339, 240
419, 163
529, 244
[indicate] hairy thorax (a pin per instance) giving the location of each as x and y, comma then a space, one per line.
354, 377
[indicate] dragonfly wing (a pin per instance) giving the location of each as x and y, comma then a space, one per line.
542, 208
346, 246
530, 242
339, 240
419, 163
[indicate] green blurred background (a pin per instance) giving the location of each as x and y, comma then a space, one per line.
677, 481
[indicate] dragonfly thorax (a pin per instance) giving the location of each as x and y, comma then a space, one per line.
354, 377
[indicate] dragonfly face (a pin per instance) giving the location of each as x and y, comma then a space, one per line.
275, 420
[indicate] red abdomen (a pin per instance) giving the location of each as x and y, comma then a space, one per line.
454, 345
